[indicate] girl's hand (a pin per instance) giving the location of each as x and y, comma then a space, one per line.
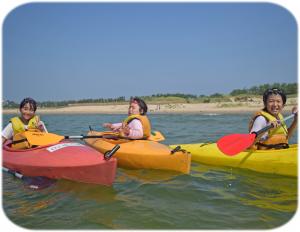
125, 131
107, 125
40, 126
275, 124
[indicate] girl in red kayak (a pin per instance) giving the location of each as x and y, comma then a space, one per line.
277, 137
137, 124
27, 120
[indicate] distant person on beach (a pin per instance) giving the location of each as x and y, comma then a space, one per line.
274, 101
136, 125
26, 120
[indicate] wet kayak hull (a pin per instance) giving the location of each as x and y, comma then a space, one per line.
65, 160
282, 162
143, 154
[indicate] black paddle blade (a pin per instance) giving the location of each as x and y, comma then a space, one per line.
38, 182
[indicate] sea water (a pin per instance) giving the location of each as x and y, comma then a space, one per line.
209, 197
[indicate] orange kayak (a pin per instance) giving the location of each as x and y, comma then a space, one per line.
142, 154
64, 160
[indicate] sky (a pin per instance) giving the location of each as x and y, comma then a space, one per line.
72, 51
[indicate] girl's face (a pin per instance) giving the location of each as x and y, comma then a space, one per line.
27, 112
274, 104
134, 108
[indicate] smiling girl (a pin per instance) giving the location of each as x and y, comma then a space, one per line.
136, 125
26, 120
277, 137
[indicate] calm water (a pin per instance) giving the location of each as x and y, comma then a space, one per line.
209, 198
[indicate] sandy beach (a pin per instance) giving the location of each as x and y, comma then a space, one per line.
178, 108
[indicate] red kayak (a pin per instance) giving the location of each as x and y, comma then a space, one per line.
64, 160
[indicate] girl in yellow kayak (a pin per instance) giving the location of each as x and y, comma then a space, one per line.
274, 101
136, 125
27, 120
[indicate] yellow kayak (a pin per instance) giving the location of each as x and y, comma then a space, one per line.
282, 161
142, 154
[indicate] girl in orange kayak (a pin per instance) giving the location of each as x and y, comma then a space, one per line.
27, 120
137, 124
277, 137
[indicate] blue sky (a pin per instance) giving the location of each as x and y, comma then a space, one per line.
56, 51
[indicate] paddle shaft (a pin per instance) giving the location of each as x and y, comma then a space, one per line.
69, 137
16, 174
40, 138
83, 136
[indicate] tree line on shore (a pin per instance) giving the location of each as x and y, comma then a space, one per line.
288, 88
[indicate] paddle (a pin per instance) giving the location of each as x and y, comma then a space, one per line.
37, 182
42, 138
236, 143
154, 136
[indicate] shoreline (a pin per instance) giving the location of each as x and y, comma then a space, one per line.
171, 108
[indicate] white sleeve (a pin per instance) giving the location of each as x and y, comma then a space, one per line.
259, 123
8, 131
136, 129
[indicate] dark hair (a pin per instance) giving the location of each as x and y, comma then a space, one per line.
143, 106
30, 101
275, 91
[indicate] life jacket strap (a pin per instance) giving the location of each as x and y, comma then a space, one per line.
19, 141
274, 146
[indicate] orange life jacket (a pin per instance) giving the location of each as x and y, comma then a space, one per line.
19, 128
145, 123
18, 125
277, 137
